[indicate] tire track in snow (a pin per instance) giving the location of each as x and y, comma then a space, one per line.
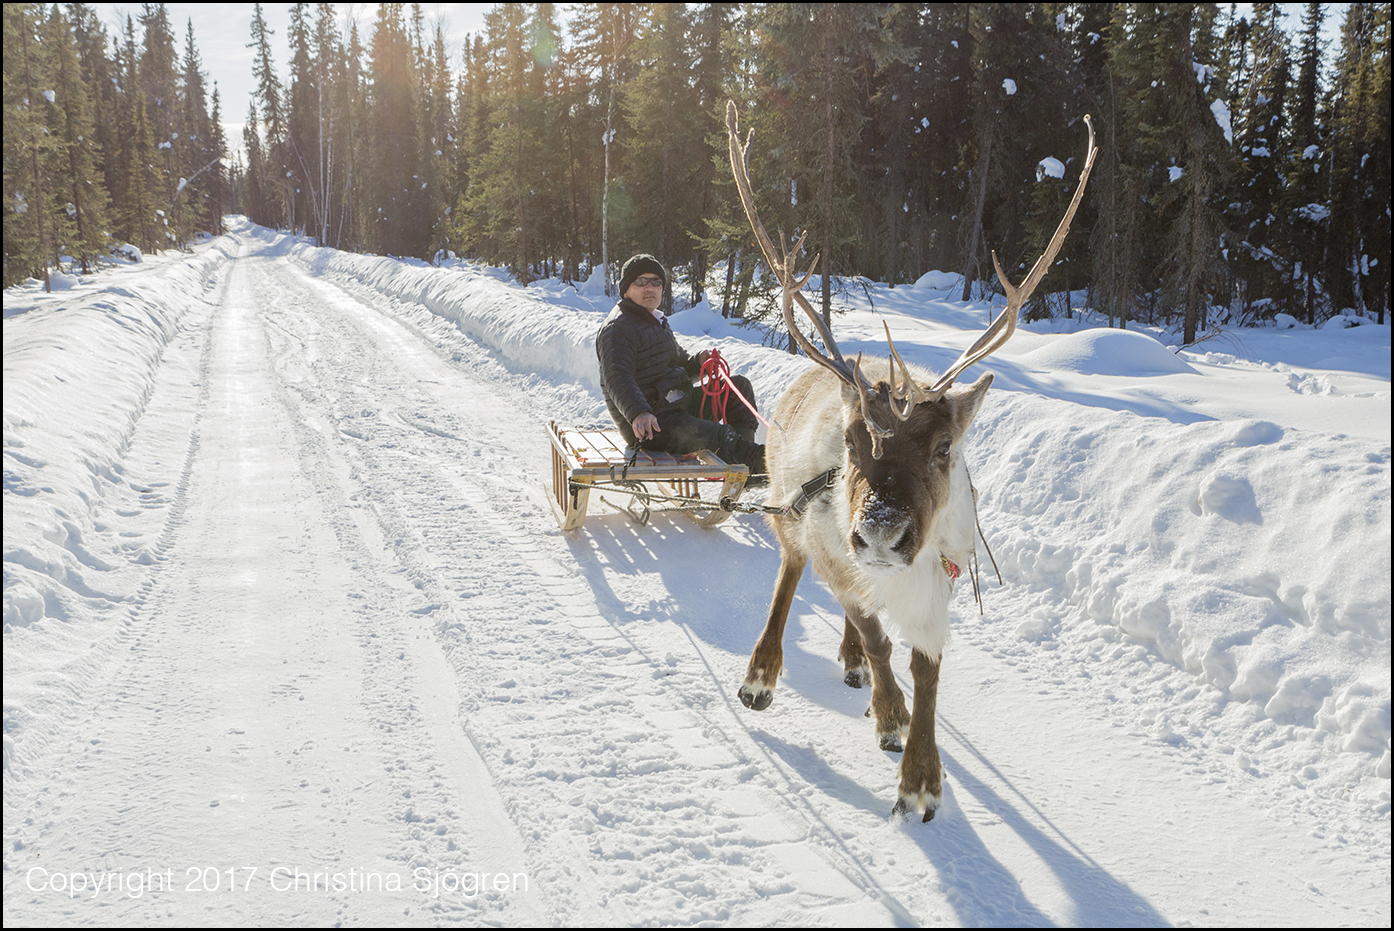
525, 630
430, 773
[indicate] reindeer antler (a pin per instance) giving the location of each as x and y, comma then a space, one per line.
909, 393
850, 374
1001, 330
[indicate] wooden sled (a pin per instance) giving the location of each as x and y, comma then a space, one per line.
592, 460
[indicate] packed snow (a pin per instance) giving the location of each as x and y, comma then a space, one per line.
284, 597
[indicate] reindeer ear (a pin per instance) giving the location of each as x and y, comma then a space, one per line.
964, 403
850, 397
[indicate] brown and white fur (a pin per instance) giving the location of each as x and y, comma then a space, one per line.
900, 511
878, 537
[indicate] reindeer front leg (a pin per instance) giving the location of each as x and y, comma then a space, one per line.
887, 700
767, 659
855, 670
921, 773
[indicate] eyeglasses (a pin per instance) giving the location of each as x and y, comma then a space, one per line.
649, 282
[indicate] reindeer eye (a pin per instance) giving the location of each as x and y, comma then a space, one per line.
945, 447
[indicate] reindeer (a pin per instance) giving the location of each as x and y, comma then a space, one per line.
895, 517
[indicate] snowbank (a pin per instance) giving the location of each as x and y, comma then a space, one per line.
939, 281
526, 329
1108, 352
547, 328
77, 378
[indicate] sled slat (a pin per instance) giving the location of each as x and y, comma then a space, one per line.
583, 458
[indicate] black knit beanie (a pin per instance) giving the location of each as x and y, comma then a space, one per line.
639, 265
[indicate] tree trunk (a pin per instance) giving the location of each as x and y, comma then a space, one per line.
828, 180
975, 232
731, 261
605, 196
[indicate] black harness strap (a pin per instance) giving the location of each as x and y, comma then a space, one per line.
812, 489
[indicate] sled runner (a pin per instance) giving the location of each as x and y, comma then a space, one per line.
598, 460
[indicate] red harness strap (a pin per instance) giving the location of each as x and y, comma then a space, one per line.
716, 378
717, 385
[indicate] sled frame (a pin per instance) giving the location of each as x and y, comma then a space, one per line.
588, 460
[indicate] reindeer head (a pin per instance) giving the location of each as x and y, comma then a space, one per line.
898, 486
901, 435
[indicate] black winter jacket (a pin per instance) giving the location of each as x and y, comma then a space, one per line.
640, 364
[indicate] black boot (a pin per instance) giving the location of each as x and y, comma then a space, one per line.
753, 455
736, 448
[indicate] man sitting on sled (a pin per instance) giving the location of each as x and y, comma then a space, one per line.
647, 378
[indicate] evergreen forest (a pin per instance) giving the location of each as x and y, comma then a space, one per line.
1244, 166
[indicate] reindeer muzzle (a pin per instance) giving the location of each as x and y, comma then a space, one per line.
884, 539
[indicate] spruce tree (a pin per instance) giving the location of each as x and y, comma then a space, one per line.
472, 120
667, 149
30, 190
439, 151
1303, 208
991, 30
144, 219
499, 217
396, 220
819, 60
354, 143
275, 199
1192, 265
218, 201
895, 152
197, 156
1049, 88
1262, 144
157, 76
1137, 160
712, 63
254, 180
601, 34
87, 197
304, 114
1357, 265
101, 69
576, 210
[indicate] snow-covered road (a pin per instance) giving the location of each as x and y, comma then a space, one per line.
353, 643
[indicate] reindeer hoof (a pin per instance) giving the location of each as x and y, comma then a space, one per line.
904, 811
755, 699
858, 678
891, 743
